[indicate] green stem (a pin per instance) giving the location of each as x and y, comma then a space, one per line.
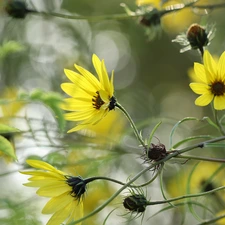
132, 124
186, 196
211, 221
218, 122
90, 179
200, 158
90, 18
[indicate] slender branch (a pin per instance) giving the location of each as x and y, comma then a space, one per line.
218, 122
90, 18
186, 196
200, 158
212, 6
211, 221
90, 179
132, 124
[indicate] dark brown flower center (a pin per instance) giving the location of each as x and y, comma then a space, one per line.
97, 102
218, 88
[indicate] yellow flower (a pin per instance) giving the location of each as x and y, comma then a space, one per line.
205, 177
65, 192
221, 221
212, 85
91, 98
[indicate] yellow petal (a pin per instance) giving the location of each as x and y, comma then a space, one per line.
210, 67
204, 99
53, 191
47, 175
72, 104
89, 76
97, 116
97, 65
80, 82
61, 215
199, 88
221, 68
78, 116
105, 78
42, 165
219, 102
43, 183
112, 85
57, 203
75, 92
77, 213
104, 96
200, 72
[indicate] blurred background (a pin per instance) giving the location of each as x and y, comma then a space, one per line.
151, 82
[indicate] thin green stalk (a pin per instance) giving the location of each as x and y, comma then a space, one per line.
132, 124
218, 122
211, 221
200, 158
90, 179
186, 196
90, 18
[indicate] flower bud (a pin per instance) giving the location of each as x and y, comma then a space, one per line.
197, 36
17, 9
135, 203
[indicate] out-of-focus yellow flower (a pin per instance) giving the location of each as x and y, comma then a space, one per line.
212, 84
8, 109
204, 178
65, 191
221, 221
108, 130
91, 98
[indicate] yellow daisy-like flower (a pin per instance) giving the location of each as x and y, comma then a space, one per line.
65, 192
91, 98
205, 177
212, 84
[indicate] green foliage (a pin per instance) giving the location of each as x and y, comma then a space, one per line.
10, 47
7, 148
17, 213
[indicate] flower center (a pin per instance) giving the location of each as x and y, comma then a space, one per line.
97, 102
78, 186
218, 88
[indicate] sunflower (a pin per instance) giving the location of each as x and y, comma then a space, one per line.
212, 84
91, 99
65, 192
